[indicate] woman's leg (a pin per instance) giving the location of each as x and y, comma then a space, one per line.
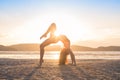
72, 57
42, 46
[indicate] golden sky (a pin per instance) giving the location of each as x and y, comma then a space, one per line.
86, 22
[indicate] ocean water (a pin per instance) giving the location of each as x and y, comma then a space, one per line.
55, 54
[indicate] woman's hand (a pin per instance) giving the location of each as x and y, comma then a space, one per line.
43, 36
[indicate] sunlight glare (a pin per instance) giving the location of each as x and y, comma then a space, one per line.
55, 56
66, 23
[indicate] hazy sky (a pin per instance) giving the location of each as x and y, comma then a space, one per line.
86, 22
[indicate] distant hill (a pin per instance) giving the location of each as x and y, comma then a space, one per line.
36, 47
81, 48
109, 48
25, 47
5, 48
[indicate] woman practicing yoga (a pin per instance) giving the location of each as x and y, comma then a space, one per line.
55, 39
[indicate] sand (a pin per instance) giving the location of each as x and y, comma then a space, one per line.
19, 69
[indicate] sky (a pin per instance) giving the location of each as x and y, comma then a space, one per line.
90, 23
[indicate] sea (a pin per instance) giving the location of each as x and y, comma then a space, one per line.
55, 54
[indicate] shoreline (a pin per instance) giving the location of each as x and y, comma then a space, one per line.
28, 69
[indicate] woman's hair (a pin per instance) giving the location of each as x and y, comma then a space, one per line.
63, 56
52, 27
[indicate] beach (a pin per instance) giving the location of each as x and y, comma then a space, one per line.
28, 69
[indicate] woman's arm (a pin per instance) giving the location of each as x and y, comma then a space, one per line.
45, 34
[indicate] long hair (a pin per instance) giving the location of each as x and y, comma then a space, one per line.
52, 27
63, 56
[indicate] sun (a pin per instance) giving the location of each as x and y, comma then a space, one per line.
67, 24
55, 56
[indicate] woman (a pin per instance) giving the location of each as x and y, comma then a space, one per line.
67, 48
55, 39
50, 40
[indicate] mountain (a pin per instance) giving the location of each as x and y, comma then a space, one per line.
81, 48
5, 48
109, 48
25, 47
36, 47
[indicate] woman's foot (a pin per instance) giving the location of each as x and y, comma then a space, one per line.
74, 64
41, 61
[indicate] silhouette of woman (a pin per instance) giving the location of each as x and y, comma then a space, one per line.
66, 50
55, 39
50, 40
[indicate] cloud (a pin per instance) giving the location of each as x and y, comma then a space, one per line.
3, 35
108, 41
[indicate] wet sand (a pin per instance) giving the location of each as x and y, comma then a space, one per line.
19, 69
